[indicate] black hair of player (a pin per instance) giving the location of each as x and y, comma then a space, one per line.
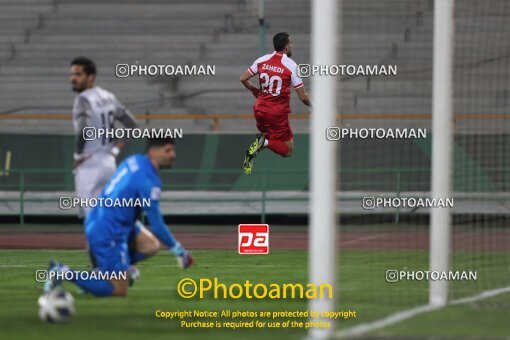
89, 66
280, 40
158, 142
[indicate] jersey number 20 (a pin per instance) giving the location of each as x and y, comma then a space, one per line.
268, 83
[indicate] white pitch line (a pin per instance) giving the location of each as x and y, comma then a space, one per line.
362, 239
256, 266
404, 315
483, 295
227, 265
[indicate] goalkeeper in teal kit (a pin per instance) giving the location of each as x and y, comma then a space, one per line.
115, 237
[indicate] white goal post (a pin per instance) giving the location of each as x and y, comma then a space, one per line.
442, 140
323, 160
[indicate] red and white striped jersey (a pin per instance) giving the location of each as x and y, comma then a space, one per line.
277, 73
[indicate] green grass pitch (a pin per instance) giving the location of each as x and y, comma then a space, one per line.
363, 289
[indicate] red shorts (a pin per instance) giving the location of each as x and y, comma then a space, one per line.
274, 126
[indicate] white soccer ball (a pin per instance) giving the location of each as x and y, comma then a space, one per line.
56, 306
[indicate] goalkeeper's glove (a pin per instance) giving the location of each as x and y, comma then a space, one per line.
184, 258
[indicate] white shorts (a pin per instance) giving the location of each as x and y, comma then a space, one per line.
92, 175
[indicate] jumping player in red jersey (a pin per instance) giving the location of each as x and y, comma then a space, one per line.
277, 73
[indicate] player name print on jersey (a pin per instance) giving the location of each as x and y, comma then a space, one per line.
272, 68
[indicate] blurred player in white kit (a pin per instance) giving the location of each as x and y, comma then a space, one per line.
94, 108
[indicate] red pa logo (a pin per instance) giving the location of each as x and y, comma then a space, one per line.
253, 239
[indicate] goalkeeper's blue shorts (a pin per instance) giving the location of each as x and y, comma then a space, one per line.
112, 255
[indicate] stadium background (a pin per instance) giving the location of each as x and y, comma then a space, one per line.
207, 194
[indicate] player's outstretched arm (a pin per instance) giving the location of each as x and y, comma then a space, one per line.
161, 231
245, 79
303, 96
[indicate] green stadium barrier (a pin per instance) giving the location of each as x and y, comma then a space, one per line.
226, 151
262, 177
213, 162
